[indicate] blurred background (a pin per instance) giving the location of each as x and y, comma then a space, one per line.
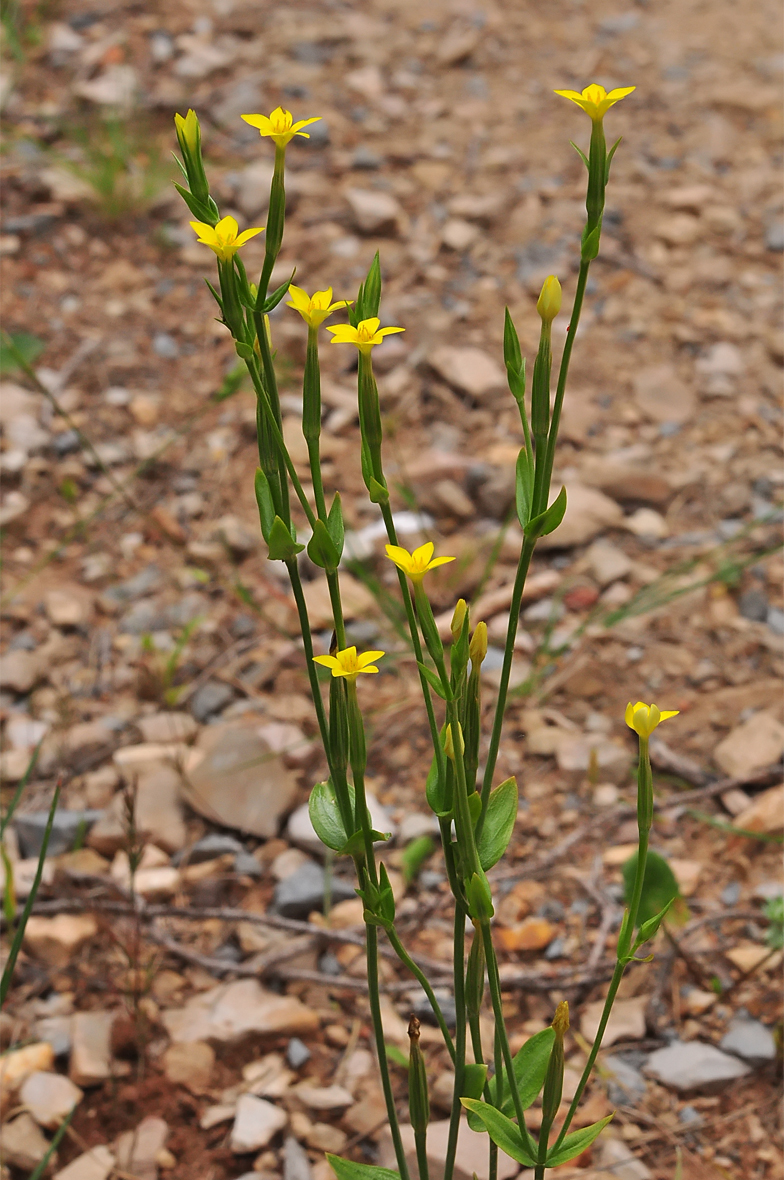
146, 638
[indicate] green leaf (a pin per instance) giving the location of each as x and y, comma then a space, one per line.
16, 345
610, 155
499, 823
321, 548
325, 816
377, 492
547, 521
581, 154
503, 1132
243, 350
524, 488
265, 503
386, 898
439, 797
335, 525
530, 1068
435, 682
659, 887
474, 808
282, 546
414, 856
576, 1143
349, 1170
474, 1078
272, 301
649, 929
590, 244
479, 896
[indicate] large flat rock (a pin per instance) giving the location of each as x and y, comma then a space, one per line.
235, 1010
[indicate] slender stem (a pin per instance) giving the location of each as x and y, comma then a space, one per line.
503, 687
314, 459
420, 1140
271, 386
460, 1038
424, 983
307, 643
563, 373
333, 584
626, 936
494, 986
479, 1058
381, 1051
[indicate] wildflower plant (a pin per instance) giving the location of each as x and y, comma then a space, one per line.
475, 817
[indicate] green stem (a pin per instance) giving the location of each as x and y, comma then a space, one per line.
460, 1039
503, 688
271, 386
563, 373
374, 996
420, 1140
333, 585
307, 643
424, 983
626, 936
494, 987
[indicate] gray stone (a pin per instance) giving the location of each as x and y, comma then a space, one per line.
56, 1031
775, 620
66, 827
210, 699
730, 894
753, 604
296, 1165
297, 1053
302, 892
774, 236
210, 847
239, 782
144, 582
142, 619
165, 346
374, 211
751, 1040
619, 1161
246, 865
694, 1065
625, 1083
689, 1116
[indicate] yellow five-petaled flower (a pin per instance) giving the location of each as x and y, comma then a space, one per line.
347, 663
366, 334
595, 100
315, 308
416, 564
643, 719
224, 238
280, 125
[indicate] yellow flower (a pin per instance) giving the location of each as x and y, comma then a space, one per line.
549, 303
224, 239
187, 128
477, 648
315, 308
416, 564
280, 125
643, 719
366, 334
347, 663
595, 100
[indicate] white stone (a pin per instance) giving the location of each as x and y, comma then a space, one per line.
49, 1097
66, 609
374, 211
607, 562
91, 1057
469, 369
57, 940
167, 727
626, 1023
752, 745
116, 87
137, 1151
92, 1165
662, 396
23, 1145
458, 234
694, 1065
647, 522
255, 1124
234, 1010
96, 1164
19, 670
324, 1097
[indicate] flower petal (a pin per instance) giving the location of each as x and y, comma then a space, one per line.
621, 92
368, 657
423, 553
439, 561
667, 713
388, 331
262, 122
247, 234
327, 661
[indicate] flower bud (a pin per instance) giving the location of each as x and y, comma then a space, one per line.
458, 617
188, 131
553, 1083
477, 648
549, 302
418, 1100
475, 976
449, 743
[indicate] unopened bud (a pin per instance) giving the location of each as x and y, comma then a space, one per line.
477, 648
418, 1101
188, 131
549, 303
449, 742
456, 626
553, 1082
561, 1019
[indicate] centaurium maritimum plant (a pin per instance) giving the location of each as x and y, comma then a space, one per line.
476, 818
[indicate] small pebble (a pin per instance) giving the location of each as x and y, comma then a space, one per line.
297, 1053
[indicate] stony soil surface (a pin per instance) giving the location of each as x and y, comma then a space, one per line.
152, 650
